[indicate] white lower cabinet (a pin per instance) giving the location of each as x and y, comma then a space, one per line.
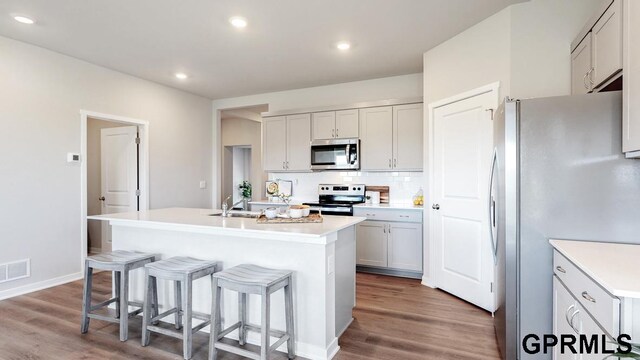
564, 306
404, 248
392, 245
371, 244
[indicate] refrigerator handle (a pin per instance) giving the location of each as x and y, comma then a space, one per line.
491, 205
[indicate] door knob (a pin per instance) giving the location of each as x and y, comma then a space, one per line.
435, 207
102, 198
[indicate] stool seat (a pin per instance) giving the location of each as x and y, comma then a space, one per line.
119, 257
181, 265
253, 275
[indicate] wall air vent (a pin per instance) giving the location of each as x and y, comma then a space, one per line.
15, 270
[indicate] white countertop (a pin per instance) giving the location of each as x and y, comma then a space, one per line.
397, 206
280, 203
613, 266
200, 219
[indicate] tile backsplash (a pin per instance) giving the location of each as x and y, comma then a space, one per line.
402, 185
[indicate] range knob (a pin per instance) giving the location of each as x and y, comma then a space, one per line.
359, 189
354, 189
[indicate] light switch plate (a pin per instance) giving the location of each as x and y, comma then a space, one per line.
73, 157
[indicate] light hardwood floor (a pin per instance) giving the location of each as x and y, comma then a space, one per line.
394, 319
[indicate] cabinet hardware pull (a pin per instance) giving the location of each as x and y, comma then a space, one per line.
337, 132
287, 164
384, 229
566, 313
559, 268
584, 81
389, 163
333, 133
395, 163
283, 165
588, 297
571, 322
590, 77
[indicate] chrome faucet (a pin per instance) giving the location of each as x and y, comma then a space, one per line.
225, 207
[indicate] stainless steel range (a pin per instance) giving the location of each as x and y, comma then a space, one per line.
338, 199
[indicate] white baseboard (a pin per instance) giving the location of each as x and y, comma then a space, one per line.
428, 282
25, 289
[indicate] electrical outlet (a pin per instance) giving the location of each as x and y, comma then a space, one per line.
331, 264
203, 184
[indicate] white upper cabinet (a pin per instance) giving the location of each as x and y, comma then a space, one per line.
581, 67
376, 138
287, 143
341, 124
407, 137
275, 143
607, 44
324, 125
631, 79
391, 138
299, 142
347, 124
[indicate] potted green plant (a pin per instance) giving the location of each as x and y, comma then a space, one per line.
245, 192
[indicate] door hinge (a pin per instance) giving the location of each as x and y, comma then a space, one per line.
138, 192
491, 286
138, 140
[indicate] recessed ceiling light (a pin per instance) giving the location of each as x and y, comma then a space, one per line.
343, 45
23, 19
238, 22
181, 76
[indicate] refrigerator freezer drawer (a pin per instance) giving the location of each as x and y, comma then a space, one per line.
602, 306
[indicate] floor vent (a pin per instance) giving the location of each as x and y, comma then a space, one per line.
15, 270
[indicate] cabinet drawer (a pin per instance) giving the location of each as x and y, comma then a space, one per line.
389, 214
604, 308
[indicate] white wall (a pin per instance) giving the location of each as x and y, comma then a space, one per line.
396, 87
42, 93
526, 47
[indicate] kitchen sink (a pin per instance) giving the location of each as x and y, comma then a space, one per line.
247, 215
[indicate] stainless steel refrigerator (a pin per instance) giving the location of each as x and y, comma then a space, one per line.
558, 172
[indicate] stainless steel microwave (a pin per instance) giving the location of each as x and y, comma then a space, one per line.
337, 154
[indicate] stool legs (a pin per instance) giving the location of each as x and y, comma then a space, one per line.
288, 305
242, 316
264, 328
178, 298
215, 319
116, 286
146, 310
86, 298
124, 304
188, 318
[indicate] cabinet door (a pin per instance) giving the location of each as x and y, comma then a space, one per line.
407, 137
631, 79
376, 129
299, 142
371, 243
405, 246
275, 143
607, 44
347, 124
324, 125
564, 307
580, 67
588, 327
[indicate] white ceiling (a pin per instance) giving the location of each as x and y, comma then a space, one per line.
288, 44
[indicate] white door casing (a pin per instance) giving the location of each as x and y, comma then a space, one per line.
119, 174
461, 149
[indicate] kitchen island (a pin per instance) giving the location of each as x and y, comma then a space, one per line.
321, 256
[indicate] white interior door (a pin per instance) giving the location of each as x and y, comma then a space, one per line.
462, 149
119, 174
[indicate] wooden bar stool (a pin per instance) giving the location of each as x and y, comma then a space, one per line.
252, 279
120, 262
183, 271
